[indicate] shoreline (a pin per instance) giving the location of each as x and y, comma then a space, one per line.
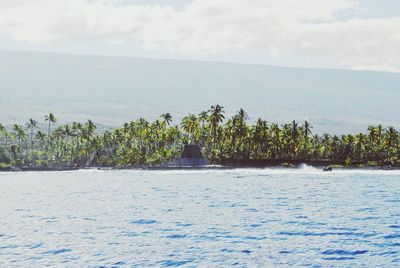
207, 167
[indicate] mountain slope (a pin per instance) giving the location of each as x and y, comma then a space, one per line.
111, 90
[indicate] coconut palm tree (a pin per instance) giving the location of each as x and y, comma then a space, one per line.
40, 136
167, 118
68, 132
307, 129
276, 137
216, 116
51, 119
31, 125
91, 126
19, 134
2, 128
392, 136
203, 117
190, 125
3, 133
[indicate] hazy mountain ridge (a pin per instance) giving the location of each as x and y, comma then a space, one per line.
111, 90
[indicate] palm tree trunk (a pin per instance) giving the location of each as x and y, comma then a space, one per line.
32, 145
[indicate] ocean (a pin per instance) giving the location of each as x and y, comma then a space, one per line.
200, 218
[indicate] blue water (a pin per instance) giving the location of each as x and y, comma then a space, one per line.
220, 218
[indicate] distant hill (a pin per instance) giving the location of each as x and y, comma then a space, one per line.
111, 90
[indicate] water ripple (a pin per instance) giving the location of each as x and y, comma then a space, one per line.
57, 251
324, 234
207, 218
172, 263
344, 252
143, 221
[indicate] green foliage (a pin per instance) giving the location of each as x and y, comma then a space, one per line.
143, 143
4, 165
372, 164
348, 162
288, 165
336, 166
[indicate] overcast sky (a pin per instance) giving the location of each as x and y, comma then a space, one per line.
349, 34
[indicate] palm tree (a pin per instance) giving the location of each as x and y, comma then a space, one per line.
68, 132
379, 129
91, 127
307, 129
2, 128
51, 119
294, 130
3, 132
241, 119
32, 124
294, 136
76, 130
203, 117
19, 134
190, 124
216, 116
167, 118
359, 147
88, 133
276, 140
392, 136
40, 136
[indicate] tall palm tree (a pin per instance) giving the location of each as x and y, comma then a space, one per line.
216, 116
379, 129
51, 119
167, 118
40, 136
2, 128
3, 132
88, 133
68, 132
276, 140
294, 130
32, 124
240, 119
203, 117
76, 130
19, 134
392, 136
190, 124
307, 129
91, 126
294, 138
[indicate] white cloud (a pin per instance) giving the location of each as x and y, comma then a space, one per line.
307, 29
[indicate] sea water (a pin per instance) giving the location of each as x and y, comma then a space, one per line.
204, 218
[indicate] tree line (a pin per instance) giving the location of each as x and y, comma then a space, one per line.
143, 143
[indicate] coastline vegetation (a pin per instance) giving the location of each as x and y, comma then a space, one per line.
142, 143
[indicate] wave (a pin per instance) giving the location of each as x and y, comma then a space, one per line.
307, 168
235, 172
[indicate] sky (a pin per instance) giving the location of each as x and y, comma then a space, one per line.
340, 34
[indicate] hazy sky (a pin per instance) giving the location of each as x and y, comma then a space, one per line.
355, 34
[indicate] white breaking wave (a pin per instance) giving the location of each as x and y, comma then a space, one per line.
305, 167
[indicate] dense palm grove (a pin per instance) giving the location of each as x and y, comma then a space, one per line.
144, 143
